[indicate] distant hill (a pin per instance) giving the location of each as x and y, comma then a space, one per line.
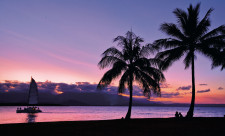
74, 99
85, 99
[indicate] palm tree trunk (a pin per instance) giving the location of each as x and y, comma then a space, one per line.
130, 102
190, 112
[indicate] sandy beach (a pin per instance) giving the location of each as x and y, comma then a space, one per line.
135, 127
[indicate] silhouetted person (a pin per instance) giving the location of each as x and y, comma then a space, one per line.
180, 115
176, 115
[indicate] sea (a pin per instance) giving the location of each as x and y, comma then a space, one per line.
8, 114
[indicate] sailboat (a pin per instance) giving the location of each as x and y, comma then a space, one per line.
32, 100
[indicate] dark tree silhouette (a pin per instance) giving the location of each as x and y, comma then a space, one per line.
187, 37
132, 63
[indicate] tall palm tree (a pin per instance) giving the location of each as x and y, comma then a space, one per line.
188, 36
132, 63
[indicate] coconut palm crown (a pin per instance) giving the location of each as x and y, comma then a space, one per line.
188, 36
131, 64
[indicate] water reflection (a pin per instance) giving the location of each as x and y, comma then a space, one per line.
31, 117
75, 113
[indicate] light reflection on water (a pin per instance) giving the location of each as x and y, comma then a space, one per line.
74, 113
31, 117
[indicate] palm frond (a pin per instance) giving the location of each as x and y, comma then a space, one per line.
155, 62
111, 74
147, 50
142, 62
149, 81
172, 30
202, 27
219, 59
170, 56
145, 62
130, 35
156, 73
113, 52
138, 40
193, 13
108, 61
182, 18
143, 84
135, 53
215, 32
123, 81
216, 41
212, 53
121, 41
167, 43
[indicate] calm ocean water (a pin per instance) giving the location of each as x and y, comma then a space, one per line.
74, 113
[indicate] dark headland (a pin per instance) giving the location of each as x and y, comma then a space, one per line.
214, 126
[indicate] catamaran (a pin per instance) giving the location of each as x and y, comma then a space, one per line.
32, 100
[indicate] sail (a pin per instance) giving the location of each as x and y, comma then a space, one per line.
33, 93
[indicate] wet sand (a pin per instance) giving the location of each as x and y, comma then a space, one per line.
134, 127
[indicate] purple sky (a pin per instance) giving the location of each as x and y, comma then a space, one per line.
62, 40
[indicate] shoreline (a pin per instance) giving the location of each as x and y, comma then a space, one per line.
148, 126
159, 105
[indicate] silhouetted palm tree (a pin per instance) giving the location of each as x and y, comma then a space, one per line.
132, 64
187, 37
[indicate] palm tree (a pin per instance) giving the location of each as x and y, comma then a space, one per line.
187, 37
132, 64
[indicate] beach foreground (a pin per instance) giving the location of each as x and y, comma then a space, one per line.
134, 127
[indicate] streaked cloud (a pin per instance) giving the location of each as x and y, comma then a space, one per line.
203, 84
220, 88
184, 88
203, 91
169, 94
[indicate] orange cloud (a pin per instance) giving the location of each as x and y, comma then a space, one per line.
56, 90
134, 96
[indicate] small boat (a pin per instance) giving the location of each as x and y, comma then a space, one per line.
28, 110
32, 100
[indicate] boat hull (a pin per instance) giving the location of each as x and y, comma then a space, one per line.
28, 111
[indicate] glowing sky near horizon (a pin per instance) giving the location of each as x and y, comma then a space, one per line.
62, 41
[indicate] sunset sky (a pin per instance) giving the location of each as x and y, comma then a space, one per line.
62, 41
